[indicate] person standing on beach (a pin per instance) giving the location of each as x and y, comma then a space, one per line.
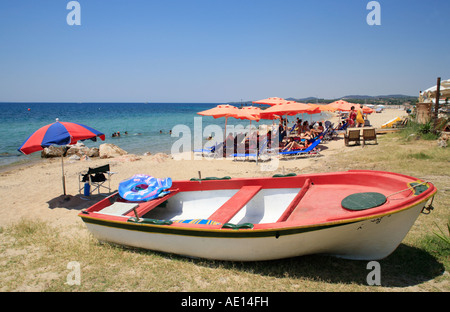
351, 117
360, 117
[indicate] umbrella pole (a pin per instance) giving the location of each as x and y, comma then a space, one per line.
225, 130
63, 177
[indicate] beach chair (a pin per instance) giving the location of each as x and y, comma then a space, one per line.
210, 151
258, 154
344, 126
334, 132
98, 178
309, 151
369, 135
293, 129
328, 133
352, 135
401, 123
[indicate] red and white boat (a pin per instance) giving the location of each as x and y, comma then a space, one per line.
361, 215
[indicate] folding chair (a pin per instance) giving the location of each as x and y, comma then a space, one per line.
97, 179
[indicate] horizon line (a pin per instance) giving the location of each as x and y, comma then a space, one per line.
195, 102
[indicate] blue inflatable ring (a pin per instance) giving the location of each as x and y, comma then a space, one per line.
141, 187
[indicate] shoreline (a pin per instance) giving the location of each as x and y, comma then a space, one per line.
33, 158
34, 189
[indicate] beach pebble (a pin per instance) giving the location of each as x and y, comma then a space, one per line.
74, 157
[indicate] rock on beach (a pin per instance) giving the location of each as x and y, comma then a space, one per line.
108, 150
79, 150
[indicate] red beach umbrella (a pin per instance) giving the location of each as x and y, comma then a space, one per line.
58, 133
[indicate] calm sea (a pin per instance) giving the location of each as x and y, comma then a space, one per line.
142, 121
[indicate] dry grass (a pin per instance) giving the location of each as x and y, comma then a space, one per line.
34, 255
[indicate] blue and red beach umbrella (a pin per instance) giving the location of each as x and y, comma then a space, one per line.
59, 133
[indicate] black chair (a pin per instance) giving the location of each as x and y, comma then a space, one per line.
97, 179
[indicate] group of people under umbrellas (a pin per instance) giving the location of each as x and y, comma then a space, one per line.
300, 136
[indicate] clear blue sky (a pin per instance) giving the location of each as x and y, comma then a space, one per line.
219, 50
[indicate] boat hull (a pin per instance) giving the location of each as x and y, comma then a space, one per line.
369, 239
288, 216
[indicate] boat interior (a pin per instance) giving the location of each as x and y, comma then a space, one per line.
250, 204
245, 201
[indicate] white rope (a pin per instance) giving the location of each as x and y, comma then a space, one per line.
409, 188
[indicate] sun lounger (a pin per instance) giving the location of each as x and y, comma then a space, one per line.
309, 151
335, 131
255, 155
352, 135
211, 151
292, 130
369, 135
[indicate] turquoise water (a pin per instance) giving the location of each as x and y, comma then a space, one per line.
142, 121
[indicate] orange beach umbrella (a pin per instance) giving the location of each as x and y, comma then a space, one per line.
272, 101
292, 108
323, 107
250, 113
222, 110
345, 106
256, 111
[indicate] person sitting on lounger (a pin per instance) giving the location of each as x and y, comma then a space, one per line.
298, 126
305, 127
320, 128
316, 131
229, 145
294, 145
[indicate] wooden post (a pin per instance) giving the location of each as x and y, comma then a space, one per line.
436, 106
63, 177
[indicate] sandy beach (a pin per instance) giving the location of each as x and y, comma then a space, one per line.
35, 191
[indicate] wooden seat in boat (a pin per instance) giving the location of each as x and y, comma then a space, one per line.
295, 202
144, 208
232, 206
